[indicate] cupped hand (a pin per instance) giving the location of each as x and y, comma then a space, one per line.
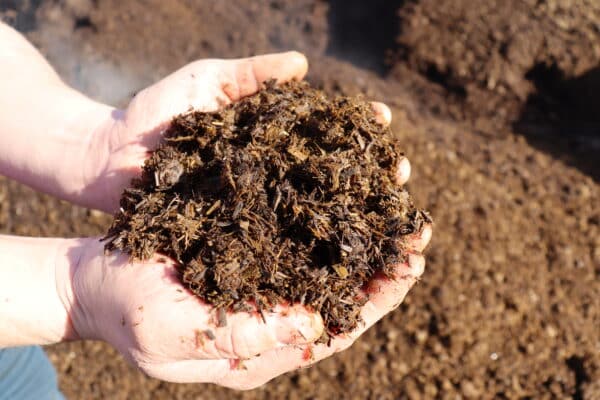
385, 295
145, 313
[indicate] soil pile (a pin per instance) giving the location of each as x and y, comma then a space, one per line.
500, 62
283, 196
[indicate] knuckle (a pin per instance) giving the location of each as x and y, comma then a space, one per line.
230, 88
249, 338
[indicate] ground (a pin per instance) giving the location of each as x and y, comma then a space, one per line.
497, 107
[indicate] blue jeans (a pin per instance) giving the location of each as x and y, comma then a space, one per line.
26, 373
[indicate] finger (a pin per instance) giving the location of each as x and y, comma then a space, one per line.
385, 295
259, 370
187, 371
419, 241
248, 74
222, 372
249, 334
403, 171
383, 114
197, 332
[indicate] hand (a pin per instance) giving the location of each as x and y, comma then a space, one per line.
117, 149
385, 296
144, 312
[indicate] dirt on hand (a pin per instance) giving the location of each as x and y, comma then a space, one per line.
285, 196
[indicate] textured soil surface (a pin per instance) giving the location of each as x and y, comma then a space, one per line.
497, 108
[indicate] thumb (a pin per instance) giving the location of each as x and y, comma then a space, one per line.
245, 76
205, 85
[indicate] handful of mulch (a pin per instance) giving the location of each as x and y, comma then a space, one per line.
284, 196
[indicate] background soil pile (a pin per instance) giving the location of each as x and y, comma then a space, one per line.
497, 107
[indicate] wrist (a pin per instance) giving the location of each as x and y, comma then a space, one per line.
32, 310
82, 279
99, 180
50, 153
79, 165
66, 263
45, 126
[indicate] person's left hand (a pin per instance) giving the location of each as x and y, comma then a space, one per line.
117, 149
143, 311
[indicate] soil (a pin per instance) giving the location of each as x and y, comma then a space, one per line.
531, 65
286, 196
509, 306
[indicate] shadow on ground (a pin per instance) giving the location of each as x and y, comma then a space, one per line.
562, 117
25, 19
362, 32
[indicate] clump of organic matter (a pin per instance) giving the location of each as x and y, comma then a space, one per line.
284, 196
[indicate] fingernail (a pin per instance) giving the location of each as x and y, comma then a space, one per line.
403, 172
423, 238
386, 114
416, 262
382, 112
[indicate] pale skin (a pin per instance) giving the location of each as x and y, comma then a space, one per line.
58, 141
